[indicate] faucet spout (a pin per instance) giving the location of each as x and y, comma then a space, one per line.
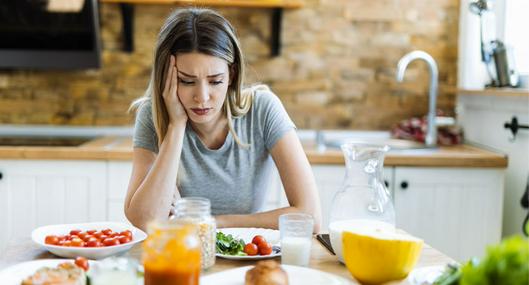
431, 135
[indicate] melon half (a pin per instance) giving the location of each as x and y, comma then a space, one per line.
375, 256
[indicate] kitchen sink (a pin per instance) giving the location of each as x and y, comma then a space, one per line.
43, 141
394, 144
333, 139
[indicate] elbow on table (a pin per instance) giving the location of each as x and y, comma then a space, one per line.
136, 220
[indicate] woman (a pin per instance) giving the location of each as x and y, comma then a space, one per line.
197, 133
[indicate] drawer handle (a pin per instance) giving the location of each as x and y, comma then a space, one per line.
1, 175
386, 183
404, 185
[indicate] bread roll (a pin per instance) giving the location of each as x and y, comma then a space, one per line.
266, 273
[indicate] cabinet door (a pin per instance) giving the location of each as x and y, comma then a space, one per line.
118, 181
35, 193
455, 210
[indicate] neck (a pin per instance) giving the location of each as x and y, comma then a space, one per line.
213, 135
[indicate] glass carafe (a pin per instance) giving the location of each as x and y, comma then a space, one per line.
363, 200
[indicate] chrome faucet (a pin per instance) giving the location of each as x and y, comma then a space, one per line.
431, 135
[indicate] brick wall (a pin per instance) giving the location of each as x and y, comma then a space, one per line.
336, 69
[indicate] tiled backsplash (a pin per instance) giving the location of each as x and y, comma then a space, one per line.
336, 68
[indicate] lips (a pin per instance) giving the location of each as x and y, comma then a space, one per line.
200, 111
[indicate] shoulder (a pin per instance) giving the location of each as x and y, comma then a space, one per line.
143, 110
265, 99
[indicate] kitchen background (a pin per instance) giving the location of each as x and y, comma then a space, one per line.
336, 68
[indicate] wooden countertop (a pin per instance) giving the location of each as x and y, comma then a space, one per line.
510, 92
120, 148
25, 250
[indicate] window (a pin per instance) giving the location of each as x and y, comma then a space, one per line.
516, 24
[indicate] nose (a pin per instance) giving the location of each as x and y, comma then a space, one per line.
201, 93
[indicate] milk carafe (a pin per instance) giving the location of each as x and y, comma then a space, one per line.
363, 200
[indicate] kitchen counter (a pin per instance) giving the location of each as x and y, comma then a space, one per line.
120, 148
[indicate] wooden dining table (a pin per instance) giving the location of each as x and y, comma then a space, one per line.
320, 259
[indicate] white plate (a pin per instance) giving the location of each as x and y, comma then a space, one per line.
38, 235
247, 234
425, 275
296, 276
15, 274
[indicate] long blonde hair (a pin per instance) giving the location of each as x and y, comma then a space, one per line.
204, 31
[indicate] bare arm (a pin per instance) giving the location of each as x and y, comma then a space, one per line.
298, 181
152, 185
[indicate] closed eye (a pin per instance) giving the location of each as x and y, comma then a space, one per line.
186, 82
216, 82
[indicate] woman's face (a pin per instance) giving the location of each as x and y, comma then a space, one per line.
203, 82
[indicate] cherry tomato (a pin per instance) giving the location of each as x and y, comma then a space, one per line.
75, 232
82, 263
77, 242
67, 243
88, 237
91, 232
98, 235
126, 233
61, 242
82, 235
114, 234
110, 242
124, 239
53, 240
93, 243
251, 249
258, 239
62, 238
265, 248
107, 232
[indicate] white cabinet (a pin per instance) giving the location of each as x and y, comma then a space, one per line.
41, 192
118, 180
456, 210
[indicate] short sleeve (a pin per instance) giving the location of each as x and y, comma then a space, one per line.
273, 118
144, 131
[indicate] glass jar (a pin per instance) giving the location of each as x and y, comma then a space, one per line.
171, 254
198, 211
363, 201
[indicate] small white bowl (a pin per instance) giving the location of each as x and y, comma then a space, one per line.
38, 235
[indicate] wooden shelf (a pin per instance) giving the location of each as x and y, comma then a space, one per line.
277, 6
516, 92
289, 4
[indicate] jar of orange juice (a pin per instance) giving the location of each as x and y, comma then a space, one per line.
171, 254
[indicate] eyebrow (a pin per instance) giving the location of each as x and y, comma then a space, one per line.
192, 76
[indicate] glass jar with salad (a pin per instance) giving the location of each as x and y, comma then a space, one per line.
197, 210
171, 254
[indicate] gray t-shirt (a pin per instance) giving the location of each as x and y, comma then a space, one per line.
235, 179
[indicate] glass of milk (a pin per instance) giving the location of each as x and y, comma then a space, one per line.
296, 238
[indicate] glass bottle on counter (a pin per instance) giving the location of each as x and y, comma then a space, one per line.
171, 254
363, 200
197, 210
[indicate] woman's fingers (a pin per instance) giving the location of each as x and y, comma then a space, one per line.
173, 83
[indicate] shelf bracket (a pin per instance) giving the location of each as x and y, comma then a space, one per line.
275, 37
127, 16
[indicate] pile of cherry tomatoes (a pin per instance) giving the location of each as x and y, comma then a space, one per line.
90, 238
259, 245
